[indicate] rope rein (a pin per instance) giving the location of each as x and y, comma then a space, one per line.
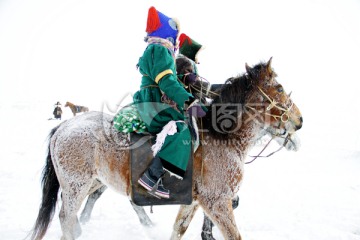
270, 154
207, 93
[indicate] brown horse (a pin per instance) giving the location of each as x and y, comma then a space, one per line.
201, 90
76, 108
248, 107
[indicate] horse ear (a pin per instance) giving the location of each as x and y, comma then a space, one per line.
248, 69
268, 65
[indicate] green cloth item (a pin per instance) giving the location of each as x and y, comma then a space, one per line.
148, 100
128, 120
155, 113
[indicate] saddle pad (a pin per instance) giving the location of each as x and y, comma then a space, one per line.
140, 158
128, 120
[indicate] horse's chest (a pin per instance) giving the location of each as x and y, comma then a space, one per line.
223, 168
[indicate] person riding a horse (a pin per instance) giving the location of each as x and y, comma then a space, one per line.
186, 65
187, 61
161, 104
188, 74
188, 53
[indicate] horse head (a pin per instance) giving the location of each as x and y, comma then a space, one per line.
66, 104
269, 99
254, 97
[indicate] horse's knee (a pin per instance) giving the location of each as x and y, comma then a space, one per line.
183, 219
221, 213
143, 217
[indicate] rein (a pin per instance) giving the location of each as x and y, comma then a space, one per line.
201, 90
259, 154
204, 92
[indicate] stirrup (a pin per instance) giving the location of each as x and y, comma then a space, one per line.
154, 188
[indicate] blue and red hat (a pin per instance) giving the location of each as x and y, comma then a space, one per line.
160, 25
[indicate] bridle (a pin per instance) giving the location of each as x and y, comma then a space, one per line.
284, 118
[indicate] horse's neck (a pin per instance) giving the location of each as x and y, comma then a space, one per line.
246, 137
238, 143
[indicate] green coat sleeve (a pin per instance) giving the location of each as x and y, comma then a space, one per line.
156, 60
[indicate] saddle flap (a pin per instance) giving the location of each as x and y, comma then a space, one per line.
140, 158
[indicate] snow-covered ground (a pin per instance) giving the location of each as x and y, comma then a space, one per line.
85, 52
310, 194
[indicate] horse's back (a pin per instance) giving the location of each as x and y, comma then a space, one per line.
88, 147
86, 126
75, 139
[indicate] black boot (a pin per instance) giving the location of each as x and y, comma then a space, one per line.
151, 180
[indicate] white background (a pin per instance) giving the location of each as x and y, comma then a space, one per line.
85, 52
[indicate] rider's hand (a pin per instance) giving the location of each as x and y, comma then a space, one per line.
189, 78
195, 109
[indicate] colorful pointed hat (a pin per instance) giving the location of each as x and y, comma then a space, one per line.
160, 25
189, 47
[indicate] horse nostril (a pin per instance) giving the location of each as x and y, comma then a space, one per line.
300, 125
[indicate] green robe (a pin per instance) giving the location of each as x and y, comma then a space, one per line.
159, 75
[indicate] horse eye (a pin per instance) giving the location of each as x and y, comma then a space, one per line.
280, 90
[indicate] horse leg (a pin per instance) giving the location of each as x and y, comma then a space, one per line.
183, 219
143, 217
206, 233
93, 197
71, 203
222, 215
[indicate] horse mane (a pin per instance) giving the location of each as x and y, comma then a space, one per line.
232, 95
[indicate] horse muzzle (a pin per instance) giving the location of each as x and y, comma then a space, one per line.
299, 125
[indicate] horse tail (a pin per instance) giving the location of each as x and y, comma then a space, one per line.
50, 188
